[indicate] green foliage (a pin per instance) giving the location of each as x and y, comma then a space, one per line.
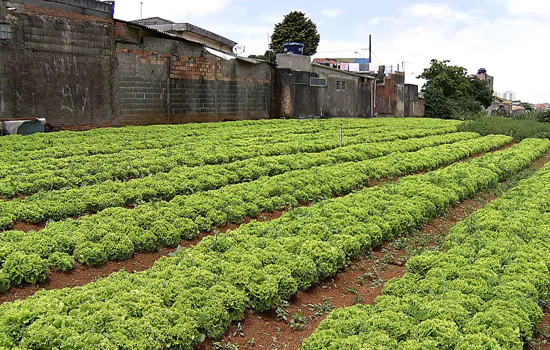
61, 262
199, 291
483, 290
117, 233
268, 56
449, 93
25, 268
5, 282
480, 92
220, 166
451, 80
296, 27
89, 253
518, 129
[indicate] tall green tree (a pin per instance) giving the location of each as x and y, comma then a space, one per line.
449, 92
296, 27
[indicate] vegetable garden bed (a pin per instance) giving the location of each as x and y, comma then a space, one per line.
107, 194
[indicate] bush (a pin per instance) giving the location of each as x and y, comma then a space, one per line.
518, 129
89, 253
61, 262
26, 268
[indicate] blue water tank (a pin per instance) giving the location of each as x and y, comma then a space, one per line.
482, 71
294, 48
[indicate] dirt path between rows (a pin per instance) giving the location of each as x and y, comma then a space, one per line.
83, 274
361, 281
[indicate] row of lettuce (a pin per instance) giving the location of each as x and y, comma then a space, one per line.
198, 292
26, 177
243, 128
482, 291
117, 233
114, 140
185, 180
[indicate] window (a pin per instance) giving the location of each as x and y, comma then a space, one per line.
5, 31
318, 81
340, 85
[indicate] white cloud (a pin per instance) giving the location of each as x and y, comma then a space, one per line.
508, 47
437, 11
331, 13
537, 8
173, 10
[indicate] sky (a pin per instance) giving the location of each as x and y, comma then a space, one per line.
509, 38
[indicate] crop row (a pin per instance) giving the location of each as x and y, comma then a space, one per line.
116, 233
482, 291
110, 141
62, 204
198, 292
69, 172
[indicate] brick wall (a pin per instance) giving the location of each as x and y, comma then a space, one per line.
163, 80
59, 62
390, 96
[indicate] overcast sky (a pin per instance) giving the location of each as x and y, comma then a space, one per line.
510, 38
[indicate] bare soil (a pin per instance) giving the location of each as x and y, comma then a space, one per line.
83, 274
361, 281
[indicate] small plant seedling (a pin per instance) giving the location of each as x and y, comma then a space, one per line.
323, 308
225, 346
239, 330
282, 313
298, 321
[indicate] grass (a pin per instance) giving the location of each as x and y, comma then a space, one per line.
516, 128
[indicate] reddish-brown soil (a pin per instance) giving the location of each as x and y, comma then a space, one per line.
542, 340
26, 227
360, 282
82, 274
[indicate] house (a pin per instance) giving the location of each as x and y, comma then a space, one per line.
346, 64
189, 32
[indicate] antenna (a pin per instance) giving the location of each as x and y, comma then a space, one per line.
239, 49
141, 10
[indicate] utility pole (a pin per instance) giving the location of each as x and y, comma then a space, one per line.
370, 48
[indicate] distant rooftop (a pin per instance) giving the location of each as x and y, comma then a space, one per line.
165, 25
153, 21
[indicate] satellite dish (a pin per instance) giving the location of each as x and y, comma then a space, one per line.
238, 49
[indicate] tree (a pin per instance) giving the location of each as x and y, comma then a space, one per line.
452, 80
449, 92
527, 106
296, 27
267, 56
481, 92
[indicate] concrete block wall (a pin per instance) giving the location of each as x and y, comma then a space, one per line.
59, 62
163, 80
414, 105
294, 97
